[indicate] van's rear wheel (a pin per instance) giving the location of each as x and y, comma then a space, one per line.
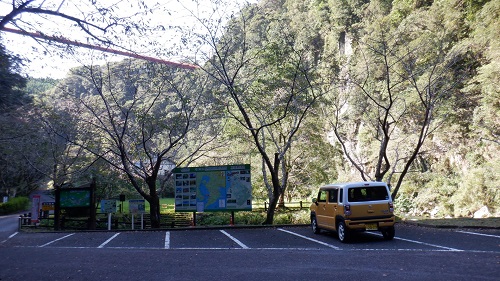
314, 225
389, 233
342, 232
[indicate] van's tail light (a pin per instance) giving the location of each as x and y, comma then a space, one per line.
347, 209
391, 207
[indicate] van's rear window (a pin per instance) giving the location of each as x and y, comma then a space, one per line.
367, 193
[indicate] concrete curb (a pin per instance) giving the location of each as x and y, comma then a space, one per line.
422, 224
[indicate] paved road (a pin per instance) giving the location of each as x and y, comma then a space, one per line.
8, 225
277, 253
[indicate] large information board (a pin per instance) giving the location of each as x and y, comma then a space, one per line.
214, 188
75, 197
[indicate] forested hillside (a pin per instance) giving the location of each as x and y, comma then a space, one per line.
307, 92
413, 96
416, 97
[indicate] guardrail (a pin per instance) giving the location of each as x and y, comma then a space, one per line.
255, 206
119, 221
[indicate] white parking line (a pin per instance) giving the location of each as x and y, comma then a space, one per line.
109, 240
167, 240
56, 240
480, 234
310, 239
428, 244
421, 243
12, 235
235, 240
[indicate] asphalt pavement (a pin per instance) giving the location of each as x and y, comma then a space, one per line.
277, 253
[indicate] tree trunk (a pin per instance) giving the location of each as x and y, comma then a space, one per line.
281, 202
270, 211
273, 201
154, 211
154, 203
92, 216
57, 208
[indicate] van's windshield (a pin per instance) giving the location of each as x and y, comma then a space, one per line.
367, 193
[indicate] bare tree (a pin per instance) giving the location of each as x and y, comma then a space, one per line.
394, 89
266, 85
103, 23
140, 115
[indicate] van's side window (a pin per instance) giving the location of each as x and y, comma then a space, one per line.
332, 198
322, 196
341, 195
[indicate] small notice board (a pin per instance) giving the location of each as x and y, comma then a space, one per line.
108, 206
137, 206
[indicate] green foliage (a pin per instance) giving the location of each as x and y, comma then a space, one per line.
479, 188
447, 48
253, 218
293, 217
16, 204
11, 83
35, 87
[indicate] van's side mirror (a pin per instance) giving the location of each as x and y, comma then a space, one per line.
315, 201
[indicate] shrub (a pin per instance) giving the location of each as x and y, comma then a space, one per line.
14, 205
253, 217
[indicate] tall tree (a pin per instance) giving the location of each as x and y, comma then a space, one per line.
14, 175
398, 82
12, 84
266, 83
140, 115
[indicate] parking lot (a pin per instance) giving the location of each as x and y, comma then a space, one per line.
233, 253
408, 238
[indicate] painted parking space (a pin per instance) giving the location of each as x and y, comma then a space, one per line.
201, 239
273, 238
79, 240
408, 238
140, 239
367, 240
23, 239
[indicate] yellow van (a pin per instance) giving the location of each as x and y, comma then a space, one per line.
354, 206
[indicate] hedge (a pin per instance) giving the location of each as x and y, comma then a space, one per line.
14, 205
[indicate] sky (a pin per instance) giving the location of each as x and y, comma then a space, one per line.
43, 60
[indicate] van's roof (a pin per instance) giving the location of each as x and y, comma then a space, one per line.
354, 184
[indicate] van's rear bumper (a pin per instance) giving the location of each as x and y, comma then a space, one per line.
370, 223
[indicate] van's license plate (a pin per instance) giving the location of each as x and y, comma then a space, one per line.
371, 226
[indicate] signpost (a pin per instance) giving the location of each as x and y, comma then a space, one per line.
137, 207
35, 208
109, 207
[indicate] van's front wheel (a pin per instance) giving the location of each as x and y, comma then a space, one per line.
314, 225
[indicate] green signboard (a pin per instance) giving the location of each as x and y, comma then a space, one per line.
75, 197
214, 188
